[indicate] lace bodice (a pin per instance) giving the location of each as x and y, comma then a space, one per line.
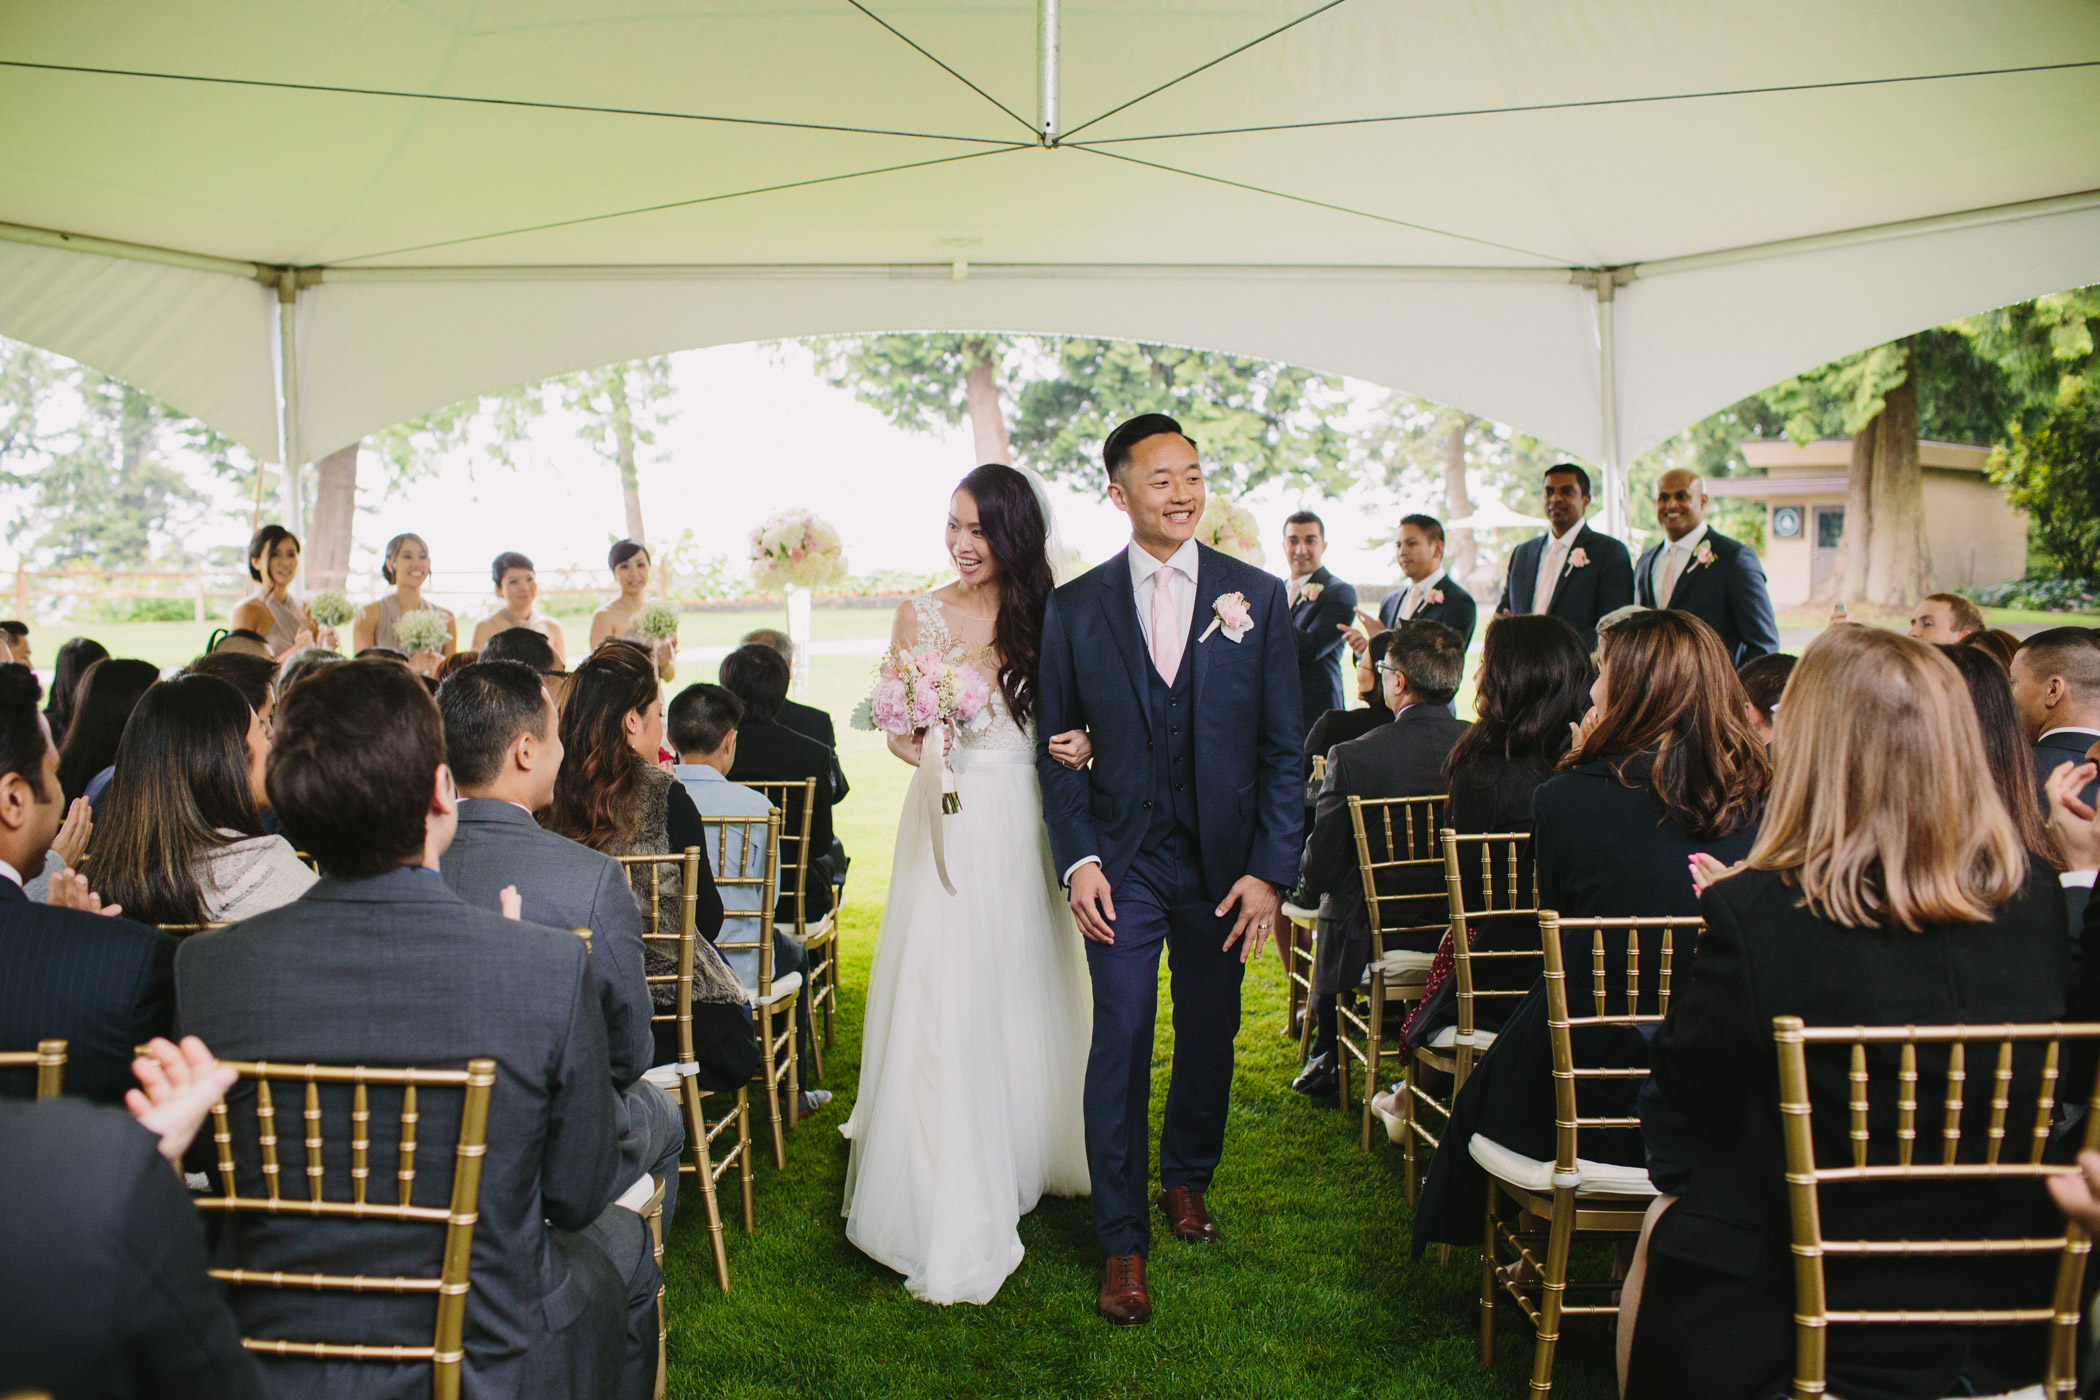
932, 622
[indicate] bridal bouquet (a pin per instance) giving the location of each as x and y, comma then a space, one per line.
1230, 529
422, 630
657, 621
915, 692
331, 607
797, 548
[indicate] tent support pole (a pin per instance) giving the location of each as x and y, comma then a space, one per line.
1046, 128
294, 498
1604, 286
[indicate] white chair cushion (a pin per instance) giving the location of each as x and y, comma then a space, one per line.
666, 1077
1530, 1174
1447, 1039
1299, 915
820, 930
1400, 962
784, 988
637, 1195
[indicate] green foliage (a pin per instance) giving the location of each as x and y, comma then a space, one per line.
616, 400
1404, 446
2039, 593
121, 610
2053, 473
915, 381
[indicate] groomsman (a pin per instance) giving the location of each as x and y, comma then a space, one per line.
1431, 594
1573, 572
1697, 569
1321, 609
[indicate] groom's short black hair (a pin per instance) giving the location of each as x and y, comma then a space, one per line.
1115, 451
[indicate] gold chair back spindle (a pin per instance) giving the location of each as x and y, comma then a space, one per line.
735, 840
49, 1062
1396, 844
796, 803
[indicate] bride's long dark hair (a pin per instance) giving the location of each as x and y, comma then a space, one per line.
1017, 534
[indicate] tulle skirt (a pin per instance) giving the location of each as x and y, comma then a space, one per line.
974, 1054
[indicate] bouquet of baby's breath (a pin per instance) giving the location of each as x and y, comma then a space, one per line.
657, 621
331, 607
425, 629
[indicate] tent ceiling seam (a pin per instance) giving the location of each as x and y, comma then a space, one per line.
929, 57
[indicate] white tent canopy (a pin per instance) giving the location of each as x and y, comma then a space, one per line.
1597, 222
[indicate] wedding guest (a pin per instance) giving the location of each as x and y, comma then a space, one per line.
1571, 571
1322, 607
253, 677
526, 646
103, 1285
458, 660
239, 640
1669, 768
181, 839
100, 984
271, 611
1764, 680
407, 567
1421, 671
75, 655
1695, 568
2005, 748
768, 751
519, 586
1945, 618
629, 562
1431, 595
806, 720
2056, 686
1340, 726
564, 1280
109, 691
1887, 884
503, 746
14, 635
1998, 642
301, 664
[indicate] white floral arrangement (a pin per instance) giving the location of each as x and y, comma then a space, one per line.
331, 607
1230, 528
797, 548
657, 621
425, 629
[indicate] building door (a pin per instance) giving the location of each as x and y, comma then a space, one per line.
1823, 545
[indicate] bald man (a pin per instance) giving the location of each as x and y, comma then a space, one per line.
1695, 568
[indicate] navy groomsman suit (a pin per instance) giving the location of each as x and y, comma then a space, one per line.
1455, 609
1726, 591
1599, 582
1318, 622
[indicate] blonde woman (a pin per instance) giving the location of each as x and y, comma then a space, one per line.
271, 612
629, 562
519, 587
407, 567
1888, 885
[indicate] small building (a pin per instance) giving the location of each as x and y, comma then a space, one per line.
1972, 536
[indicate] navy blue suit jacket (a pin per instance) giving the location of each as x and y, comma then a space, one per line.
102, 985
1458, 611
1249, 773
1728, 595
1603, 584
1318, 624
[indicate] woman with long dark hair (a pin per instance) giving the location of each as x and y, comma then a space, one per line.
109, 692
2005, 746
979, 1009
74, 658
181, 838
271, 611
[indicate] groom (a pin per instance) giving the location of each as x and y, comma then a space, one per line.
1181, 664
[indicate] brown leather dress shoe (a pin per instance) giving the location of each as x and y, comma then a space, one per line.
1187, 1216
1123, 1299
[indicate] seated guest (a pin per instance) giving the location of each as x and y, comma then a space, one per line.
524, 645
1422, 667
300, 664
103, 1289
768, 751
14, 636
100, 984
109, 691
1945, 619
1764, 681
1887, 884
501, 743
806, 720
253, 676
74, 657
240, 641
2056, 685
181, 839
1340, 726
2012, 772
1998, 642
1667, 769
702, 728
380, 963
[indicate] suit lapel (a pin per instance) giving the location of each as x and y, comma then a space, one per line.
1567, 564
1199, 656
1644, 578
1119, 606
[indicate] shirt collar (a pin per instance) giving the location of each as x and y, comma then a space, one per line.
1144, 566
1690, 541
701, 771
1428, 583
10, 872
2067, 729
1573, 531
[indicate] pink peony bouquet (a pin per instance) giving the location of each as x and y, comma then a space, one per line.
916, 691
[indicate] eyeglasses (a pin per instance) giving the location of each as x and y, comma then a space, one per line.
1386, 668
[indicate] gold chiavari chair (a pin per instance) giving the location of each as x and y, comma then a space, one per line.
1396, 848
449, 1287
773, 997
1295, 942
1630, 965
185, 930
49, 1062
678, 1079
2000, 1152
1506, 892
821, 938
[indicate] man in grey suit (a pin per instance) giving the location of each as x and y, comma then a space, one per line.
503, 744
381, 964
1421, 670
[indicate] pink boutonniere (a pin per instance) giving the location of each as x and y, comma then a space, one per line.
1578, 558
1233, 617
1435, 595
1704, 554
1311, 592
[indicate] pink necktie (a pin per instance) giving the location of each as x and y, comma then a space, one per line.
1166, 637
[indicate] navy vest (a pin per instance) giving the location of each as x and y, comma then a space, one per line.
1171, 800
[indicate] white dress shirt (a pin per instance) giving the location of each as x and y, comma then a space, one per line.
1417, 592
2067, 729
1661, 577
1553, 562
9, 872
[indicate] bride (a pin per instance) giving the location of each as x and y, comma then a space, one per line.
979, 1009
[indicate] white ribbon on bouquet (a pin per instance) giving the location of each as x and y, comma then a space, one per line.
933, 789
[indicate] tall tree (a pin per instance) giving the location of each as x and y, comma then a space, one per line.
622, 407
1413, 444
924, 383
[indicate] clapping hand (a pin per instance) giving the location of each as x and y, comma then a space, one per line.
180, 1086
69, 890
2070, 820
1359, 637
72, 840
1706, 869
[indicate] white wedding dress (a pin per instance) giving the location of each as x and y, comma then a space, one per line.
978, 1020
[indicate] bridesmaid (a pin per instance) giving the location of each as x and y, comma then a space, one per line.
520, 589
407, 567
271, 610
629, 562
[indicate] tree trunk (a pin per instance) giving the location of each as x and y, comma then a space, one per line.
1463, 545
327, 556
1898, 572
1847, 580
987, 422
623, 438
